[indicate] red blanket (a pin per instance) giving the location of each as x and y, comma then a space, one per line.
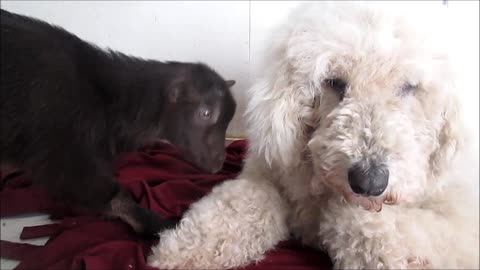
159, 179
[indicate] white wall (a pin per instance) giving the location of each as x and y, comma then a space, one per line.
228, 35
465, 14
216, 32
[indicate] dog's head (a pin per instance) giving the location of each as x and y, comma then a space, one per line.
384, 112
387, 119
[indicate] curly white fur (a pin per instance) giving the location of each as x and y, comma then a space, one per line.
304, 137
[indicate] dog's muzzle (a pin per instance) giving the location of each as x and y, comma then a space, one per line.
368, 180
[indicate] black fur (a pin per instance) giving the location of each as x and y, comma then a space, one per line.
68, 108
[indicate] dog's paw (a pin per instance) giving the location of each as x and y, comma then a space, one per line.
176, 250
368, 203
162, 260
168, 254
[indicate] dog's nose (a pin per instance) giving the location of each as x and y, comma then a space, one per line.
368, 180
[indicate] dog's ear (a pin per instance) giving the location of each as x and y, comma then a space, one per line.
449, 138
276, 115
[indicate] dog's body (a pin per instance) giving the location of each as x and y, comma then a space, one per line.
386, 178
68, 108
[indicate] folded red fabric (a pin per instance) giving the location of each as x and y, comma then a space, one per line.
159, 179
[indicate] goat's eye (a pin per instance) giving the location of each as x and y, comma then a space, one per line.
408, 88
338, 85
205, 114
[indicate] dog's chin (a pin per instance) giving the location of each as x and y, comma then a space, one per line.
372, 203
368, 203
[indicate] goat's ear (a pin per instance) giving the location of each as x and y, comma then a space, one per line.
174, 89
173, 93
449, 138
230, 83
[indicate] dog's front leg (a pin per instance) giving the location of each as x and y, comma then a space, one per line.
231, 227
359, 239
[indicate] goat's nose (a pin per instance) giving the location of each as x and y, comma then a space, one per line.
217, 161
220, 158
368, 180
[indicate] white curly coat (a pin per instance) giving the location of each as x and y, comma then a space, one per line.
400, 107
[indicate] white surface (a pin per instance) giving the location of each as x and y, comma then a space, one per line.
216, 32
228, 35
11, 229
466, 17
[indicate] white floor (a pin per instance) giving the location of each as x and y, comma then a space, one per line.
11, 228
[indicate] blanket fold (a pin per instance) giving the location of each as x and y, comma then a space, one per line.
159, 179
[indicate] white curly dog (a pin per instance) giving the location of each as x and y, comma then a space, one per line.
357, 109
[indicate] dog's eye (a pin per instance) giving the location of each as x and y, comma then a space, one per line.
408, 88
205, 114
338, 85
